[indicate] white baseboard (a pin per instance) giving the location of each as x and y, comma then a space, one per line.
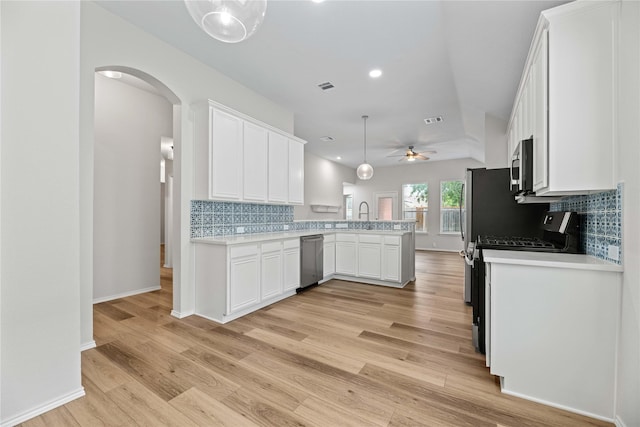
126, 294
43, 408
179, 315
556, 405
619, 422
438, 250
87, 346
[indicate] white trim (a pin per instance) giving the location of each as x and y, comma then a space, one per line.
18, 419
555, 405
619, 422
438, 250
179, 315
126, 294
88, 345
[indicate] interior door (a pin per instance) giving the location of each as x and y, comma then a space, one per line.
386, 206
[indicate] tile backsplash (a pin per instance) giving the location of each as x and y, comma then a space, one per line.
600, 221
217, 219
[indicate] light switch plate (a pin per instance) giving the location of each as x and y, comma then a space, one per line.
285, 227
613, 253
328, 226
240, 230
397, 227
341, 225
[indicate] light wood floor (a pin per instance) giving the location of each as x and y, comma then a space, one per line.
342, 354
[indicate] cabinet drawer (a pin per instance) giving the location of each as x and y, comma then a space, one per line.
392, 240
293, 243
368, 238
328, 238
346, 237
240, 251
271, 247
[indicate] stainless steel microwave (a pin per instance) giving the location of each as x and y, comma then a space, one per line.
522, 168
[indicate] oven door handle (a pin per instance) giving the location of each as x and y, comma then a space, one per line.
468, 261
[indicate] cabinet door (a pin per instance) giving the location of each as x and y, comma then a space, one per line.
391, 263
225, 165
346, 258
244, 282
539, 113
369, 260
255, 159
329, 259
291, 269
271, 278
278, 168
296, 172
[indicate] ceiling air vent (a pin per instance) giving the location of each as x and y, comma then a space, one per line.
326, 86
327, 139
432, 120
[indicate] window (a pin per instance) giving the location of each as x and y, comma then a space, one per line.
348, 206
450, 192
415, 204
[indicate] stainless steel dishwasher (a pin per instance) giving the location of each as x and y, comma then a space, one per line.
311, 261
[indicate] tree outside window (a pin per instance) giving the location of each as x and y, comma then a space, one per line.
450, 192
415, 204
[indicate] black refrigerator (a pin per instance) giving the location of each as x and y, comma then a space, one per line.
491, 210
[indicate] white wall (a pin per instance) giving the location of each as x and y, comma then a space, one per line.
129, 123
40, 325
495, 143
628, 384
108, 40
323, 181
392, 178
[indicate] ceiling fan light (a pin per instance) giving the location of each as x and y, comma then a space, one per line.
230, 21
365, 171
411, 159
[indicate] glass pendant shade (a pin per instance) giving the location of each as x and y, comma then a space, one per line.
365, 171
230, 21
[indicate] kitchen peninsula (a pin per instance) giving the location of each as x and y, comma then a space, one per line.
238, 274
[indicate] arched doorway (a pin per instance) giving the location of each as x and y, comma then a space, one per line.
126, 180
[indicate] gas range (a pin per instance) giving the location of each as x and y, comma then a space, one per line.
516, 244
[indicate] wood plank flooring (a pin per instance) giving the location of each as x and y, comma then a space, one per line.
341, 354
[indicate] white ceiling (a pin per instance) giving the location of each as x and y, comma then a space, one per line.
455, 59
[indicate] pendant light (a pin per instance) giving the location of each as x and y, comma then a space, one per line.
365, 170
230, 21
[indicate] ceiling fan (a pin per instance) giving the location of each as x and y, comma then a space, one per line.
410, 155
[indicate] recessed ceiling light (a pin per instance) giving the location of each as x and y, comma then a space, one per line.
375, 73
317, 1
327, 138
111, 74
338, 158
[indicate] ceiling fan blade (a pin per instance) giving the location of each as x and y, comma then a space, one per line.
420, 157
427, 152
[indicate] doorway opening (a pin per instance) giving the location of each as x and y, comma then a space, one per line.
133, 186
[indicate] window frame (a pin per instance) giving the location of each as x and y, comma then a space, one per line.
442, 209
425, 211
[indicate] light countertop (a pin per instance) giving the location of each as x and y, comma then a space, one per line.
548, 259
264, 237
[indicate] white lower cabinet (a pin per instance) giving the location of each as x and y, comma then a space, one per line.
346, 254
236, 280
244, 277
391, 261
271, 278
329, 255
291, 264
369, 256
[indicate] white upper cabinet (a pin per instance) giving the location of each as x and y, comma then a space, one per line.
255, 163
278, 168
567, 99
296, 172
225, 162
242, 159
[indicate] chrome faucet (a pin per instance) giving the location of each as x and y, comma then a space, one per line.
360, 210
